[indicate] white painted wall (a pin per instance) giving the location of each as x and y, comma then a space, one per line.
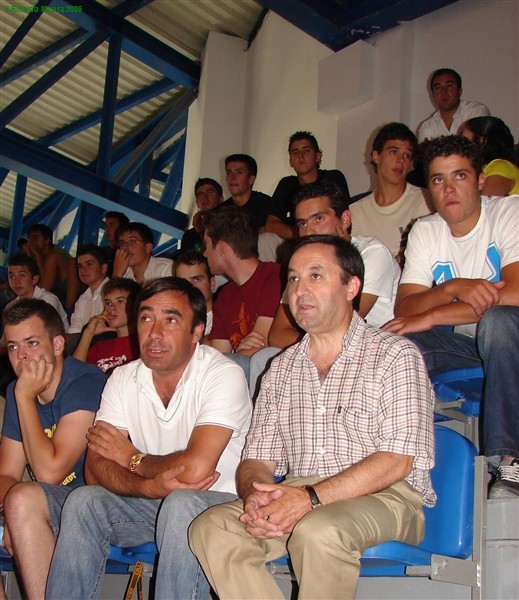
478, 38
216, 119
358, 89
282, 98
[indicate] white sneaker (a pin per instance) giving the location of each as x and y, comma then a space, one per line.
507, 481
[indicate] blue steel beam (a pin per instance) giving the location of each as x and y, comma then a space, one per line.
173, 188
130, 101
68, 240
67, 205
17, 218
60, 173
128, 7
136, 42
25, 99
58, 47
88, 225
174, 120
109, 101
41, 57
339, 23
21, 32
145, 176
167, 157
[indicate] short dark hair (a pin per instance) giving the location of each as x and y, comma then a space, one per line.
252, 165
176, 284
19, 259
347, 255
26, 308
192, 257
304, 135
208, 181
234, 226
45, 231
393, 131
449, 145
95, 251
328, 189
143, 230
446, 71
121, 283
493, 136
121, 217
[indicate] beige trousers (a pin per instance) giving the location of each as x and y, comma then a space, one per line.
325, 546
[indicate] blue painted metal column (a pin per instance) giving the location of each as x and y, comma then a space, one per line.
173, 188
109, 104
17, 218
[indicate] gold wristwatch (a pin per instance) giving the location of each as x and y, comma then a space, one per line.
135, 461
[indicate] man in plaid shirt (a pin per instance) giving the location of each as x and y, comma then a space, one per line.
346, 415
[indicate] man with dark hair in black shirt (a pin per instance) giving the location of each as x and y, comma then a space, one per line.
240, 173
208, 194
305, 158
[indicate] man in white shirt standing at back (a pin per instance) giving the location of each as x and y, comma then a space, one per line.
452, 110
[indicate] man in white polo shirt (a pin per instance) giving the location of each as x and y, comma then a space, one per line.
171, 425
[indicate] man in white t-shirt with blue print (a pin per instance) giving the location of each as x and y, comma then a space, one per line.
462, 270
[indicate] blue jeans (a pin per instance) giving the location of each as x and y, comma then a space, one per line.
93, 518
496, 347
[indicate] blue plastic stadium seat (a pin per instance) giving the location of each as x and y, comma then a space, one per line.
463, 385
458, 397
448, 525
120, 559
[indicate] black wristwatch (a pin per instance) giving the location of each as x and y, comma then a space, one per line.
314, 498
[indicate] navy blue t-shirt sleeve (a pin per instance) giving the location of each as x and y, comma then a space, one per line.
84, 393
11, 426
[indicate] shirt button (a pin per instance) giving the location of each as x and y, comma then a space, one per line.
321, 409
321, 451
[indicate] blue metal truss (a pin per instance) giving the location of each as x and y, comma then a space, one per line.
136, 42
55, 170
94, 118
21, 32
133, 158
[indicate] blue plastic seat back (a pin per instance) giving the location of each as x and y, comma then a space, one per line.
448, 525
121, 558
460, 383
448, 528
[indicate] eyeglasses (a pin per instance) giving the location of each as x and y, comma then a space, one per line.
129, 242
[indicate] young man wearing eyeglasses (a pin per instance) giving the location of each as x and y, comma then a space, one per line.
133, 259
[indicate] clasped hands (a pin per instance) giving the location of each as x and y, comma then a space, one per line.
273, 510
